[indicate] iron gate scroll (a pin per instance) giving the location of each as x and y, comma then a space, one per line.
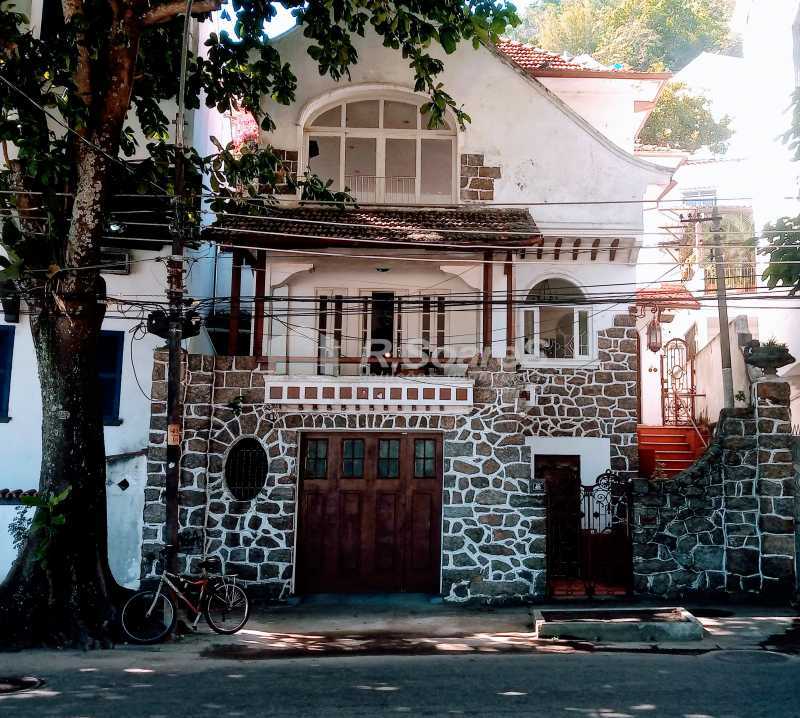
589, 535
678, 390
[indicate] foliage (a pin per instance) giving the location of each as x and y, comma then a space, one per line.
642, 34
783, 251
51, 515
573, 26
20, 526
781, 236
684, 121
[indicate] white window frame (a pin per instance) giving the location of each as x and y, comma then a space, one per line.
381, 134
536, 356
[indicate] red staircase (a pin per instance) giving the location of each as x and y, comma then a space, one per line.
667, 450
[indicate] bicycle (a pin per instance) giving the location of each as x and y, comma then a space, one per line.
149, 615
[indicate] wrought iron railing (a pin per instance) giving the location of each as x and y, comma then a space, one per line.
740, 276
389, 190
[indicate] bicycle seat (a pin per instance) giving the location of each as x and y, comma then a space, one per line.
211, 563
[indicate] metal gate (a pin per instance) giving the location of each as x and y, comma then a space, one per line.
678, 390
589, 538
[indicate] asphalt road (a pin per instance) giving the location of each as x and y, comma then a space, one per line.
164, 683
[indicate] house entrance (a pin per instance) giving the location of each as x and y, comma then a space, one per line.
369, 512
678, 391
588, 532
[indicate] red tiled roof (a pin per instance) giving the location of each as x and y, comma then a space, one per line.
675, 296
534, 58
308, 226
543, 63
13, 496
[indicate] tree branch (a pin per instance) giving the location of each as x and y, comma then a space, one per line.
164, 13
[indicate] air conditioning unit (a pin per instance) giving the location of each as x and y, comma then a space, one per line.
115, 261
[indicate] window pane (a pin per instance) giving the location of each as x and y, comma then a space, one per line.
359, 167
401, 171
324, 158
388, 458
316, 459
331, 118
353, 458
437, 170
556, 332
399, 115
109, 369
362, 114
424, 458
6, 353
583, 333
529, 332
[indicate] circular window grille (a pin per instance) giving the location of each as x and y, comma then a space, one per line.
246, 469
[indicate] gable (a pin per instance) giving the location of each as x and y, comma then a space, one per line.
546, 152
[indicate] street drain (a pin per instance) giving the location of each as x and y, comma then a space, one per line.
751, 656
17, 684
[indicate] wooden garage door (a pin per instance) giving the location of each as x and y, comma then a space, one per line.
370, 512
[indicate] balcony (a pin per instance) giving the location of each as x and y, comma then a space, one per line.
739, 277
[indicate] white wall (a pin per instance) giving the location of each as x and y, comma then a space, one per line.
546, 152
594, 453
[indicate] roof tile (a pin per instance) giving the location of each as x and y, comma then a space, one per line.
462, 228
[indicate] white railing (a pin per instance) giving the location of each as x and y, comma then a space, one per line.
387, 190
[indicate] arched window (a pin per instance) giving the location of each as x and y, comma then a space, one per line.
555, 324
383, 150
246, 469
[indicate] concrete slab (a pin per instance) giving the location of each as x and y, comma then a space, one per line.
614, 625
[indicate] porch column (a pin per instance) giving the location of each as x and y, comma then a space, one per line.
509, 272
487, 303
258, 307
236, 302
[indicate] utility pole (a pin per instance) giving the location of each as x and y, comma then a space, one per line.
722, 311
175, 292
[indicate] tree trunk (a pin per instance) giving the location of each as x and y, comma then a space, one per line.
66, 600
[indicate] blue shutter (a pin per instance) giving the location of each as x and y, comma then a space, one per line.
6, 354
109, 367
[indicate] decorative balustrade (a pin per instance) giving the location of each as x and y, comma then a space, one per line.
389, 190
370, 393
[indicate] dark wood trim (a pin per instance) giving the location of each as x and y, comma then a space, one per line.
236, 302
509, 272
487, 302
258, 308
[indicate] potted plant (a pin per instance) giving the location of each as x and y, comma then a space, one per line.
769, 357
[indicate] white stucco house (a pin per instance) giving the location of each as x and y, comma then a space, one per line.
382, 310
414, 366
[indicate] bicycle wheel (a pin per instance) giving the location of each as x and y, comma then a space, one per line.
147, 618
227, 608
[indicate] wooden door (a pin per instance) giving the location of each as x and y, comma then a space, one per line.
370, 512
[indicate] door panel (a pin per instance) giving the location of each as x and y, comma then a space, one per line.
372, 526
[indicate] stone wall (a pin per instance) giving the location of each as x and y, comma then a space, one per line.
726, 525
494, 517
477, 178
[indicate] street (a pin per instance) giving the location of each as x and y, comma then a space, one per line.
148, 683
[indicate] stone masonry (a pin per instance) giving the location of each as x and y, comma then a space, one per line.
726, 525
494, 518
477, 178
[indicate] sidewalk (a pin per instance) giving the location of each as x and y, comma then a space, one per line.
415, 624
